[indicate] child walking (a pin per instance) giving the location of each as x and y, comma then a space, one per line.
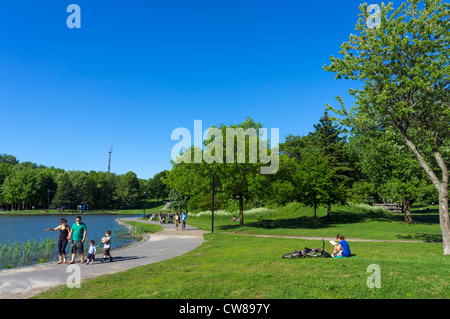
91, 253
107, 246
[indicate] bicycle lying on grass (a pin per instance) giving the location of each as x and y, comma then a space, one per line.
307, 252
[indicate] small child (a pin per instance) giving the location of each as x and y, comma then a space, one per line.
106, 246
91, 253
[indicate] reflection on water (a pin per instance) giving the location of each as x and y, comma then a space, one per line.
24, 240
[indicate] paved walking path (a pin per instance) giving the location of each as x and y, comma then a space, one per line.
347, 239
166, 207
28, 281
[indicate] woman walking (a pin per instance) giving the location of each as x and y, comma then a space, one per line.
62, 240
177, 220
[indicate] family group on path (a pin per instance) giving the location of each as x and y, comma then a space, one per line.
77, 233
26, 282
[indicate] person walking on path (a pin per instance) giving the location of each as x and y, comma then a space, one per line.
91, 253
183, 220
78, 231
177, 220
62, 240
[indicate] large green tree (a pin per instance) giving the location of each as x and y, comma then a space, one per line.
328, 138
391, 167
64, 197
403, 64
127, 189
233, 160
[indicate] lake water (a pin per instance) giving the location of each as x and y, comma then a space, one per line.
20, 229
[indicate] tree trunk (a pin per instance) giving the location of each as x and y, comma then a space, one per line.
329, 212
407, 210
441, 186
315, 208
444, 218
241, 211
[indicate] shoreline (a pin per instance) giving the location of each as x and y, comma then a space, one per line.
26, 282
144, 237
61, 213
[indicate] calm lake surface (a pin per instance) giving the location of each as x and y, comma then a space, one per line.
20, 229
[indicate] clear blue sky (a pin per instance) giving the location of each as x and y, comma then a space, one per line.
136, 70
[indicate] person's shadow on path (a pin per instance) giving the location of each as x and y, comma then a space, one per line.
120, 258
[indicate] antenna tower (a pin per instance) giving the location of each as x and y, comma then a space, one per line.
109, 161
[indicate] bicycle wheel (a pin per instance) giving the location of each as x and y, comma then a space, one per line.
315, 253
293, 254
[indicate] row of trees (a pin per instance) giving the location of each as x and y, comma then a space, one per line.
26, 185
398, 132
327, 166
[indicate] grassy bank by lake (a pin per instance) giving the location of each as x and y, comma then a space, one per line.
229, 265
235, 267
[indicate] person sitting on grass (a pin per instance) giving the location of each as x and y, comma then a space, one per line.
234, 219
342, 249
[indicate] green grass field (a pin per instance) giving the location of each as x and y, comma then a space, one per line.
229, 265
356, 221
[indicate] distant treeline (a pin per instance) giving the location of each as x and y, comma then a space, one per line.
26, 186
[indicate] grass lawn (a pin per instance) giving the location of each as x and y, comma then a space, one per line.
148, 228
229, 265
234, 267
353, 222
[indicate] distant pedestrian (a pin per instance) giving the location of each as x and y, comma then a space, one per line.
183, 220
91, 253
79, 231
107, 246
162, 220
62, 240
177, 220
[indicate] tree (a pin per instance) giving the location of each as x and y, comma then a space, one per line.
127, 189
64, 196
156, 187
314, 179
237, 171
185, 180
178, 201
240, 178
8, 159
329, 140
390, 166
404, 65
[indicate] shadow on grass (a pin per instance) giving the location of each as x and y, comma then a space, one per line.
341, 216
429, 238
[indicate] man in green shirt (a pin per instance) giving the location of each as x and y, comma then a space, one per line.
78, 230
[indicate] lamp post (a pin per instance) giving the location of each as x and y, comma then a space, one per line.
212, 208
